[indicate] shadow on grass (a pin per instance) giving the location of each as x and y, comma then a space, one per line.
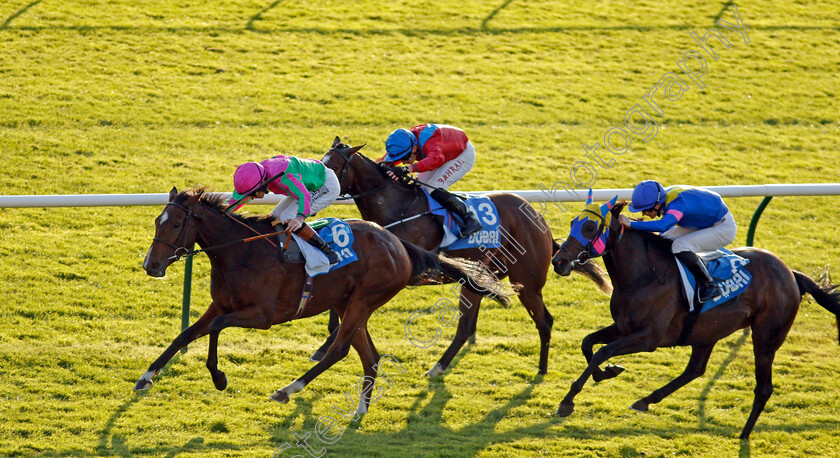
426, 420
111, 444
17, 14
701, 408
258, 16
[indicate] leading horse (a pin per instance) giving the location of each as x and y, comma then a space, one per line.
650, 309
524, 256
251, 287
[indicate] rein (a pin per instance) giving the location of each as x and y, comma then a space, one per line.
182, 251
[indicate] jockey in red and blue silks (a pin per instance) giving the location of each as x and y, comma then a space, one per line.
308, 184
441, 155
696, 219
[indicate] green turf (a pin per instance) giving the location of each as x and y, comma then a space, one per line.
139, 96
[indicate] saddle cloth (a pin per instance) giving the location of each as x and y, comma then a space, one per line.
726, 268
336, 232
484, 209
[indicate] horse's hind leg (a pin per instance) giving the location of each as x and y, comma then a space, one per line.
332, 327
197, 330
696, 367
769, 332
468, 306
355, 317
370, 357
601, 336
530, 295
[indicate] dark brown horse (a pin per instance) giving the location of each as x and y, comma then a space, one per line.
252, 288
524, 256
649, 307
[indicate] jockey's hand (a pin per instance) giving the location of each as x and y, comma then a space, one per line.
398, 172
294, 223
624, 220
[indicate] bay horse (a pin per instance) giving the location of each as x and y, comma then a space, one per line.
251, 287
524, 256
649, 308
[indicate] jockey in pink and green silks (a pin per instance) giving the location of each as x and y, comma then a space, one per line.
308, 184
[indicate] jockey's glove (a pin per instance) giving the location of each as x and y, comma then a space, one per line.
401, 172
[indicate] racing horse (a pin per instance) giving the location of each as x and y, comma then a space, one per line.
251, 287
524, 256
649, 307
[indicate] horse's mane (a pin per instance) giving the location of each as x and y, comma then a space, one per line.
218, 202
650, 239
381, 170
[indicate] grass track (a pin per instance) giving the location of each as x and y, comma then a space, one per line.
125, 97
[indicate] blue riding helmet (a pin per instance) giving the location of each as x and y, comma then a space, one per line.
399, 145
646, 195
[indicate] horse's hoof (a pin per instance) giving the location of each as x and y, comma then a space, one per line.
220, 380
434, 371
613, 370
640, 406
142, 385
280, 396
564, 410
317, 356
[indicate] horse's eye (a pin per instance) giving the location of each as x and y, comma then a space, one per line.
589, 226
177, 225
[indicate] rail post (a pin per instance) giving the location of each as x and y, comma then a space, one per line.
755, 217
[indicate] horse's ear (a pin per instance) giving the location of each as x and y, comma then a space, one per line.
355, 149
336, 142
608, 206
172, 194
589, 197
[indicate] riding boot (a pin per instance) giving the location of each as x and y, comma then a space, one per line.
311, 237
470, 223
707, 289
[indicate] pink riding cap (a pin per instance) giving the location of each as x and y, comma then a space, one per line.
248, 176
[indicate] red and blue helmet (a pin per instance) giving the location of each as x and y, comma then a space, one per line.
646, 195
399, 145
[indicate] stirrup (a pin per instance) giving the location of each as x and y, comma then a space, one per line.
706, 293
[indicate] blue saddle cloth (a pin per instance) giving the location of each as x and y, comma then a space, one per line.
727, 271
337, 233
484, 208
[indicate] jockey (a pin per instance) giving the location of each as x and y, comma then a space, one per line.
441, 155
308, 185
695, 219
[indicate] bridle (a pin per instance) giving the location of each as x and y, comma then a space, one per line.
347, 158
182, 251
179, 251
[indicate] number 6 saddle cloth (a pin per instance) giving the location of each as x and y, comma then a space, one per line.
336, 232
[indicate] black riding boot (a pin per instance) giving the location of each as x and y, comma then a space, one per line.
470, 224
311, 237
707, 289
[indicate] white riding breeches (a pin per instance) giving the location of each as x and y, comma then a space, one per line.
451, 171
711, 238
321, 199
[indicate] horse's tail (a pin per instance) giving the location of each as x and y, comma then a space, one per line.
828, 296
428, 268
590, 270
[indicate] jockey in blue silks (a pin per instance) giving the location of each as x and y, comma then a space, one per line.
695, 219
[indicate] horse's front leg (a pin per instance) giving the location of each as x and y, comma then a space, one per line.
251, 317
198, 329
638, 341
601, 336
